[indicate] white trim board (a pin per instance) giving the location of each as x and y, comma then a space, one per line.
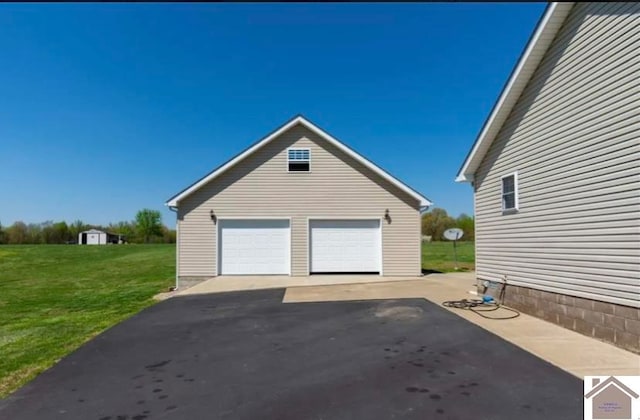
516, 199
542, 38
175, 200
308, 160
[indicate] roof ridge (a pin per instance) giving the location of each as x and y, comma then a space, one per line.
299, 119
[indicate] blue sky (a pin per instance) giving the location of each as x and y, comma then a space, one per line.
109, 108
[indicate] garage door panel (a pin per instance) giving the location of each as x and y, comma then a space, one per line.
254, 246
345, 246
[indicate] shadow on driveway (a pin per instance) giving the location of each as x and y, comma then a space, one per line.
245, 355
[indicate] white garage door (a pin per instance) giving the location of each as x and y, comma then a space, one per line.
345, 246
253, 247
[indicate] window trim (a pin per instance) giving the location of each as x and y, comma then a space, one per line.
516, 201
304, 160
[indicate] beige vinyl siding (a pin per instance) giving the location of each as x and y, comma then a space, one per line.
337, 187
574, 138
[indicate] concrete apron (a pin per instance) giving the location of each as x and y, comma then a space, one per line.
238, 283
573, 352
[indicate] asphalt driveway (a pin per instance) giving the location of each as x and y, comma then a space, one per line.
245, 355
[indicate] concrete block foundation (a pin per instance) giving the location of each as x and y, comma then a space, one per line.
609, 322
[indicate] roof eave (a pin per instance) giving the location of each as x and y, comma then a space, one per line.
173, 201
464, 178
548, 26
422, 200
426, 203
423, 203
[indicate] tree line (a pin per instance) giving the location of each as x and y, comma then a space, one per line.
435, 222
147, 227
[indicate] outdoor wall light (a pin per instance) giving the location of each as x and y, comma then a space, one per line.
213, 217
386, 216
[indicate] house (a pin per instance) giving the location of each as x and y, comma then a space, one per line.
297, 202
555, 172
611, 399
97, 237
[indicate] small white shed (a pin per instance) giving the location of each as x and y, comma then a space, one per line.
97, 237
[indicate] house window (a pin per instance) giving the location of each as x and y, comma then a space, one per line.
299, 160
510, 192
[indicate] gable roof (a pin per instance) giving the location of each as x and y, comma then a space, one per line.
174, 201
93, 231
99, 231
610, 382
545, 32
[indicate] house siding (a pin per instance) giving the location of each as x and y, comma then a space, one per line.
574, 139
259, 186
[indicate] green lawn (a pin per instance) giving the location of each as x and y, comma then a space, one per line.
53, 298
438, 256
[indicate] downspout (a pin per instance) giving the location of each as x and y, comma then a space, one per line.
175, 209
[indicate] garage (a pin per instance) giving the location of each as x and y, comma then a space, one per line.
254, 247
345, 246
297, 202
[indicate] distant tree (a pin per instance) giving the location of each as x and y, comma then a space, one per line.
34, 233
435, 222
168, 235
76, 227
124, 228
148, 224
59, 233
147, 228
467, 224
18, 233
45, 234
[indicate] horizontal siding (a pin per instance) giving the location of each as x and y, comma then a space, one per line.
574, 138
337, 186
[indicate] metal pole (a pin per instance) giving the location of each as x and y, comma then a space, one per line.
455, 252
